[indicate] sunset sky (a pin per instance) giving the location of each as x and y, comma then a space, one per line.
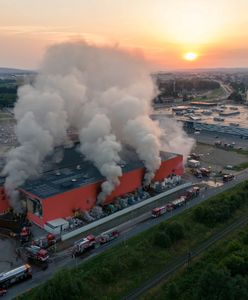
164, 30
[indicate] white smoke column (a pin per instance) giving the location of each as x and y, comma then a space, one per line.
41, 125
142, 133
103, 92
174, 138
118, 86
101, 147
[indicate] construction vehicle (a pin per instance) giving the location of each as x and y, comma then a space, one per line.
108, 236
38, 256
83, 245
13, 276
25, 234
227, 177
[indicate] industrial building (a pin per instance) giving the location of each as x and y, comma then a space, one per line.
74, 183
4, 203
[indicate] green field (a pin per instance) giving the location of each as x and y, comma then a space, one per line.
221, 273
216, 93
116, 272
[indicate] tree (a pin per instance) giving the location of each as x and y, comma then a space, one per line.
175, 231
161, 239
214, 284
172, 291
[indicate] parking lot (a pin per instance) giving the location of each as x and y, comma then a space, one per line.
211, 138
8, 257
218, 159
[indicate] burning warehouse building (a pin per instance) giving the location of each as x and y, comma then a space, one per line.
74, 184
4, 203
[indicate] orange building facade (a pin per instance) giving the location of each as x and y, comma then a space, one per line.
4, 202
83, 198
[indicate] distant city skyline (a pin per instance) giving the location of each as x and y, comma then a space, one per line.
170, 34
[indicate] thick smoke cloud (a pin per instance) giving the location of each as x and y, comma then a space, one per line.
102, 148
102, 92
174, 138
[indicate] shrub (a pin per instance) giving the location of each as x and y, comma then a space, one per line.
162, 239
175, 231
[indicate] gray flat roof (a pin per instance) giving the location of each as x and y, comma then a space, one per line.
74, 171
238, 116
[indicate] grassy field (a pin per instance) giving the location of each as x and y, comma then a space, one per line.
216, 93
241, 166
221, 273
5, 116
116, 272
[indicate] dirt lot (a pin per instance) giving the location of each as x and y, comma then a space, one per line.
218, 158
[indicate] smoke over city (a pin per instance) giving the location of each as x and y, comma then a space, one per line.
102, 92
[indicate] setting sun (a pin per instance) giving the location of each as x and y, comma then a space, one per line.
190, 56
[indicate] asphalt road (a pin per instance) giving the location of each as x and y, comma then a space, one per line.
65, 259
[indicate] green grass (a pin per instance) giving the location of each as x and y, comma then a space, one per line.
211, 96
226, 256
116, 272
5, 116
241, 167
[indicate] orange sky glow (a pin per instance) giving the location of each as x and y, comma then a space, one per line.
163, 30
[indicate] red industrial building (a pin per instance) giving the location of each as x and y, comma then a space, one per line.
74, 183
4, 203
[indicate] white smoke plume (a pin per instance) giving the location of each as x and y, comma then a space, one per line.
174, 138
104, 93
102, 148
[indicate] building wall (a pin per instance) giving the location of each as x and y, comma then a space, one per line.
84, 198
63, 205
170, 166
4, 203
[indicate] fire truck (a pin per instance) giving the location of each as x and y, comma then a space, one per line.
13, 276
159, 211
45, 242
192, 193
83, 245
25, 234
37, 256
179, 202
108, 236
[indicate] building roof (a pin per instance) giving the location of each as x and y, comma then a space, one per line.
73, 171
